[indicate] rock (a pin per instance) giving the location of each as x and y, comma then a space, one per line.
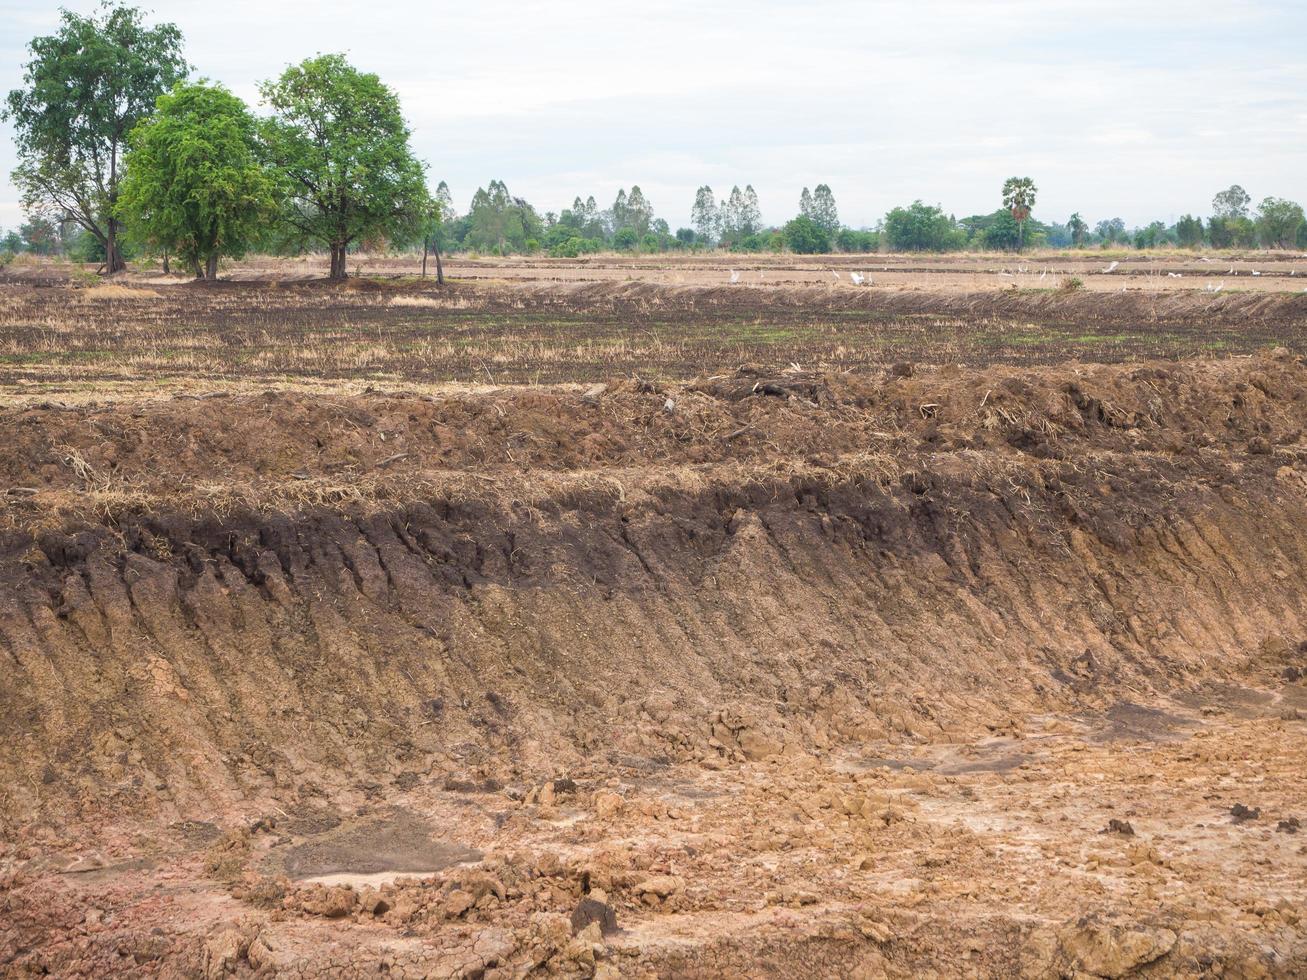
332, 903
265, 958
756, 745
1290, 825
590, 911
593, 933
591, 396
457, 903
1105, 950
224, 952
1122, 827
608, 804
1142, 853
660, 886
372, 902
1243, 813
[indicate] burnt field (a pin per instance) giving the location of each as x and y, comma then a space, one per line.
77, 341
643, 629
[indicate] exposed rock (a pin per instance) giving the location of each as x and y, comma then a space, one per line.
1105, 950
660, 886
591, 911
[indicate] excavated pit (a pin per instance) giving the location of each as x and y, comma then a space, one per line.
801, 674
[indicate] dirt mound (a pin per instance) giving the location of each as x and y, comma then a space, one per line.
558, 618
1134, 306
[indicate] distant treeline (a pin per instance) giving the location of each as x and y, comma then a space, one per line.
147, 162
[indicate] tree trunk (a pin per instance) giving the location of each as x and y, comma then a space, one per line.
113, 259
197, 268
338, 270
424, 258
440, 269
211, 266
165, 261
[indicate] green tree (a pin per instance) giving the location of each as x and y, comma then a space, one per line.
1278, 222
195, 185
1231, 203
1231, 231
806, 207
40, 235
921, 228
805, 237
731, 217
639, 212
1003, 233
500, 222
1110, 230
618, 216
1189, 231
704, 216
339, 138
1019, 198
1079, 228
85, 89
824, 211
848, 240
750, 212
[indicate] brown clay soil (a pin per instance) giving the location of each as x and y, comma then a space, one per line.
894, 669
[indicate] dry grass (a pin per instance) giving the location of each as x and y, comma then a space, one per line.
420, 301
78, 343
113, 290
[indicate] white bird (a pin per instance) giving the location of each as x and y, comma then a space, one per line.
1111, 268
1215, 287
1174, 275
669, 405
1256, 273
835, 274
856, 277
1043, 275
735, 276
1204, 259
1231, 272
1006, 273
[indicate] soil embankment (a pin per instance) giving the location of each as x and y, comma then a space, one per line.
558, 630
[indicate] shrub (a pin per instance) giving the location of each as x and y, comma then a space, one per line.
805, 237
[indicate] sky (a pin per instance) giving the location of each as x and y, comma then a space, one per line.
1117, 108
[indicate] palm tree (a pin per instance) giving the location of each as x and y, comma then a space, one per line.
1019, 198
1077, 227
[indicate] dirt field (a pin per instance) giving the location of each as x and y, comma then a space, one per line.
647, 629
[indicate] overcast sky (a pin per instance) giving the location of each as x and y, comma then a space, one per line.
1123, 108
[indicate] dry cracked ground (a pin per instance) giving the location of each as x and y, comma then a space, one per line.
893, 672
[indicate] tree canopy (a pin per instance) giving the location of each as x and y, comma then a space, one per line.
339, 140
1278, 222
87, 86
1019, 198
195, 185
921, 228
